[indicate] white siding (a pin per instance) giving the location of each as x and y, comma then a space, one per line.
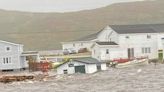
14, 53
89, 68
96, 52
161, 41
103, 66
139, 41
108, 34
77, 45
115, 52
136, 41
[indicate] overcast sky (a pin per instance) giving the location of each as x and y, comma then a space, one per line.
55, 5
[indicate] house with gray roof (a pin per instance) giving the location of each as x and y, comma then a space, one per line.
81, 65
123, 41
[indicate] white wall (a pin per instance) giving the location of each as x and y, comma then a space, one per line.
115, 52
77, 45
65, 66
96, 52
14, 52
103, 66
108, 34
138, 41
89, 68
161, 41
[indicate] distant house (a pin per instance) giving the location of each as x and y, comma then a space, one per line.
11, 56
125, 41
81, 65
84, 42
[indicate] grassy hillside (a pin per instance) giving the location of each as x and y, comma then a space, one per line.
45, 31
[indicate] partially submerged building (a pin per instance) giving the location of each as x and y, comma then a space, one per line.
81, 65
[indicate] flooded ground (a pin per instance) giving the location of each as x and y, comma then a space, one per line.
135, 79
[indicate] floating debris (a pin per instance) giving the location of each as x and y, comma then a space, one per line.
9, 79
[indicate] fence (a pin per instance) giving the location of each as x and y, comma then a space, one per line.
51, 52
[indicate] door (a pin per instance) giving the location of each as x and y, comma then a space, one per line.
160, 54
130, 53
80, 69
65, 71
98, 66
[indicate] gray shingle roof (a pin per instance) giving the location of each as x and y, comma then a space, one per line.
106, 43
134, 30
87, 60
139, 28
124, 29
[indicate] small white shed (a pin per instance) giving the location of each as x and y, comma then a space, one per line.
81, 65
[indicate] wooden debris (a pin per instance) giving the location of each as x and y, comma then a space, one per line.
8, 79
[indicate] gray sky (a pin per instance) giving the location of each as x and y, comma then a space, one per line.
56, 5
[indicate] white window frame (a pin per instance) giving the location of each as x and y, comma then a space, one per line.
146, 50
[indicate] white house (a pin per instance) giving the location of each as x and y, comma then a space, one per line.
130, 41
84, 42
11, 56
81, 65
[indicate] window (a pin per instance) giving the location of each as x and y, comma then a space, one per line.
143, 50
148, 36
8, 48
149, 51
7, 60
70, 65
65, 71
73, 45
4, 60
146, 50
110, 39
81, 44
127, 37
107, 51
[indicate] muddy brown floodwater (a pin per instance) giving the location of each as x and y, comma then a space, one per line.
135, 79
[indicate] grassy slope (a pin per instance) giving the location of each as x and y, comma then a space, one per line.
39, 31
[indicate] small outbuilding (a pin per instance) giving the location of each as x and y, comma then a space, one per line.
81, 65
